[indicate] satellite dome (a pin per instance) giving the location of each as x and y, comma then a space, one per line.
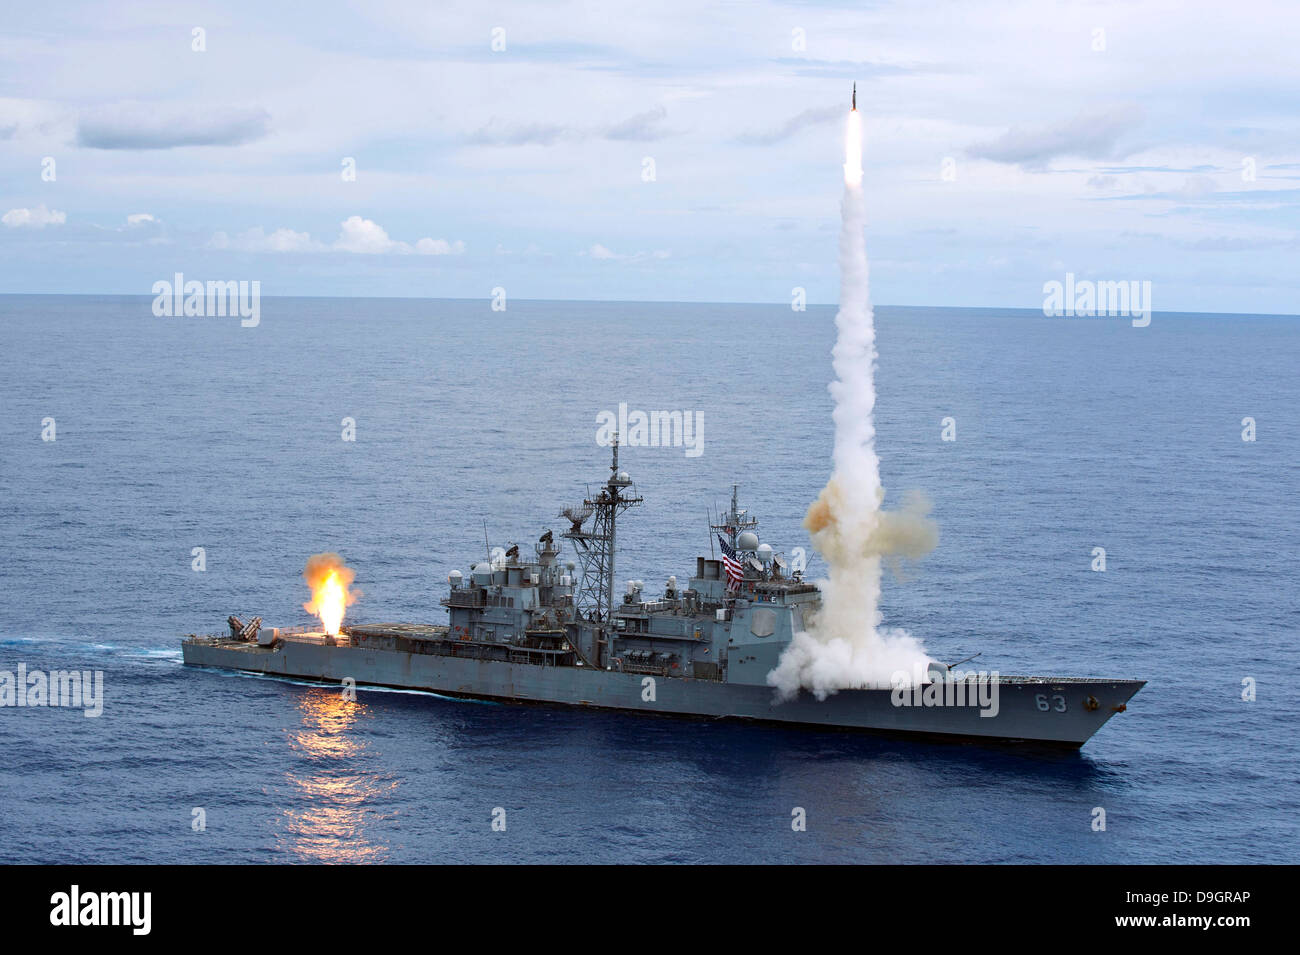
622, 478
747, 541
455, 575
764, 552
483, 568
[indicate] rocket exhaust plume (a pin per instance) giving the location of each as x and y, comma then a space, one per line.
329, 579
844, 646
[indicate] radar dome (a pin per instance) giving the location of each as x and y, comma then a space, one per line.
623, 478
747, 541
483, 568
765, 552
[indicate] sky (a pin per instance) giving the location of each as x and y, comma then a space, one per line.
672, 151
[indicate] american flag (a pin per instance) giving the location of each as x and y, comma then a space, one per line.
734, 572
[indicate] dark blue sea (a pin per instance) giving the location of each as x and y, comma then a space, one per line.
1071, 434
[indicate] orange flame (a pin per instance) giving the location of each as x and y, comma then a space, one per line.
329, 579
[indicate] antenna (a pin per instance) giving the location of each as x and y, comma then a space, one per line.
736, 521
597, 545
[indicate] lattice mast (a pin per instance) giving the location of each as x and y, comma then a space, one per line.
596, 547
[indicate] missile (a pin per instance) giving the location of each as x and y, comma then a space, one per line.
855, 98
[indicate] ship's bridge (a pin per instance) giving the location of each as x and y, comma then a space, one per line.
505, 597
761, 581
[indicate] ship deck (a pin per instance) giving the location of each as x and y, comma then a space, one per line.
424, 631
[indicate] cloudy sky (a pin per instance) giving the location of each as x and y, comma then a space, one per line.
653, 151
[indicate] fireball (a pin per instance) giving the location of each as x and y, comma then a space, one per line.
329, 578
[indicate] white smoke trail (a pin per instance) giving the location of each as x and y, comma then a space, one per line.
844, 646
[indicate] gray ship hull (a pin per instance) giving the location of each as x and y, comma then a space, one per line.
1059, 711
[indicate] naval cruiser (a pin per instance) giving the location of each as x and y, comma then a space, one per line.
536, 629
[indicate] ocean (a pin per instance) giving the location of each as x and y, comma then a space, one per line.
172, 434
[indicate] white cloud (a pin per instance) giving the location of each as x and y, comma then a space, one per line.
357, 235
439, 247
36, 218
140, 218
255, 240
604, 254
366, 237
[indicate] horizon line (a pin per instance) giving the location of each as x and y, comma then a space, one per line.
635, 301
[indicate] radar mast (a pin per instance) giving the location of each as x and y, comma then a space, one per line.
736, 522
596, 547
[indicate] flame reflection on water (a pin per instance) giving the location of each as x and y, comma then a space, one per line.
333, 799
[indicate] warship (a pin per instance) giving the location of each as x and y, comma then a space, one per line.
539, 629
